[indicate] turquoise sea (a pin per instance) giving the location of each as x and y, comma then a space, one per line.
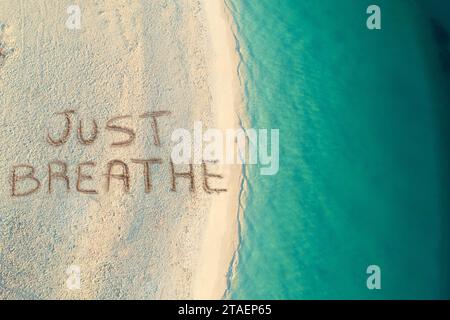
364, 149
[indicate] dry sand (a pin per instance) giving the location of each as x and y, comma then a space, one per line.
221, 234
129, 58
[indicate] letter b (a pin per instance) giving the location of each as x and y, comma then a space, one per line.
30, 176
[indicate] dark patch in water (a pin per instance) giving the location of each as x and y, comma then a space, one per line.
441, 32
443, 39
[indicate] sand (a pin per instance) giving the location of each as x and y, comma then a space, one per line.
221, 234
128, 58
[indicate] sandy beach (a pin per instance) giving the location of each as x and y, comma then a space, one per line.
126, 63
221, 234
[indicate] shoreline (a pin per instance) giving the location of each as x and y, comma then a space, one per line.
220, 238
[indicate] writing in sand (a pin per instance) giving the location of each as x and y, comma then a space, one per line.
25, 181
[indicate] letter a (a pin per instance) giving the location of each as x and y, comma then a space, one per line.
374, 20
374, 280
73, 22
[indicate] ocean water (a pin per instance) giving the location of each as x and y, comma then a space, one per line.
364, 179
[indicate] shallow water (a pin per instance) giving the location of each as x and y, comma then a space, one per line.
363, 150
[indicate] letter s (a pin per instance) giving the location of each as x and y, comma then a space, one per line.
128, 131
